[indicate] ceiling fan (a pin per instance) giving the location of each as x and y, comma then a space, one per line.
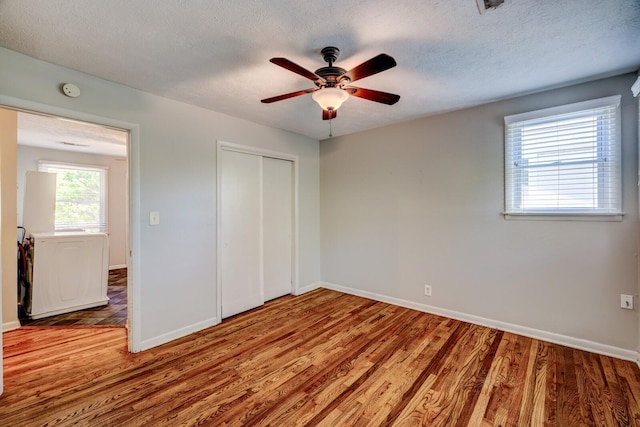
333, 83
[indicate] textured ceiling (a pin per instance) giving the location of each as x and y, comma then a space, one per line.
215, 54
54, 133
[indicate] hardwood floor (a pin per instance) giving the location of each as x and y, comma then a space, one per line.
323, 358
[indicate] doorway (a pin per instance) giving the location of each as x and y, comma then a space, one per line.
129, 236
257, 227
87, 165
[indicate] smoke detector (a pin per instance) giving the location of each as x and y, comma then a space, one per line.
70, 90
486, 5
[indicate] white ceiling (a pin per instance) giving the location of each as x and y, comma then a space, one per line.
215, 54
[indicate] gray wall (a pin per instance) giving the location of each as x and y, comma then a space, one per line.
419, 203
28, 158
175, 174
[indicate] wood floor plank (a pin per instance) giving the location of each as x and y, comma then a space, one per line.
575, 389
489, 387
628, 376
539, 391
523, 355
526, 410
497, 391
612, 381
480, 378
319, 359
597, 394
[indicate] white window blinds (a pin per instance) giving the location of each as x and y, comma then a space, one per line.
564, 160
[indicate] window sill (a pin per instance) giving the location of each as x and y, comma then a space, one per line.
596, 217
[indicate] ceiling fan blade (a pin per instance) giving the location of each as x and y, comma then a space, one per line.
329, 114
285, 63
373, 66
288, 95
373, 95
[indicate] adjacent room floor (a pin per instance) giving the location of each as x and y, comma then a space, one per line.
114, 313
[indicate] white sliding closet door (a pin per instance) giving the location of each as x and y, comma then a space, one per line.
241, 240
256, 230
277, 218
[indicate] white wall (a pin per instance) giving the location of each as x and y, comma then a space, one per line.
419, 203
28, 158
175, 175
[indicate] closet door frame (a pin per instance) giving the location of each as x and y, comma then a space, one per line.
227, 146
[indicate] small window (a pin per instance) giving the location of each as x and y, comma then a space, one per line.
564, 161
81, 196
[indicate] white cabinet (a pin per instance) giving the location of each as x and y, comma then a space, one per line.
70, 272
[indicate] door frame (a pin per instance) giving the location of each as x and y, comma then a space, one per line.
133, 201
228, 146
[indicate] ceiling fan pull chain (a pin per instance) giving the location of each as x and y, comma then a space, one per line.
330, 129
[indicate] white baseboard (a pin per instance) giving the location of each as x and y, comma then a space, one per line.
308, 288
178, 333
10, 326
117, 267
580, 344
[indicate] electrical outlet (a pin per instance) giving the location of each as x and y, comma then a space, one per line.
427, 290
626, 301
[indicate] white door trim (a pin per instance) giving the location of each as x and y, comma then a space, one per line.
133, 205
222, 145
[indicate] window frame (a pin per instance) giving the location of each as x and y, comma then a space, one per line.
103, 226
609, 184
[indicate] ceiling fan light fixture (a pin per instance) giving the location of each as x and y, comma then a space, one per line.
330, 98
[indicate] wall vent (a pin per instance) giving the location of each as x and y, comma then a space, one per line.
75, 144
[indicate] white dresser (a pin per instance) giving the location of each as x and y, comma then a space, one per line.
70, 272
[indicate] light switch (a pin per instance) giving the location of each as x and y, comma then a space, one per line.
154, 218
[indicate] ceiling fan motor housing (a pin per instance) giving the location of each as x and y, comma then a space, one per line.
331, 74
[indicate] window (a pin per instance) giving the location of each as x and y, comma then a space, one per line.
81, 196
564, 161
